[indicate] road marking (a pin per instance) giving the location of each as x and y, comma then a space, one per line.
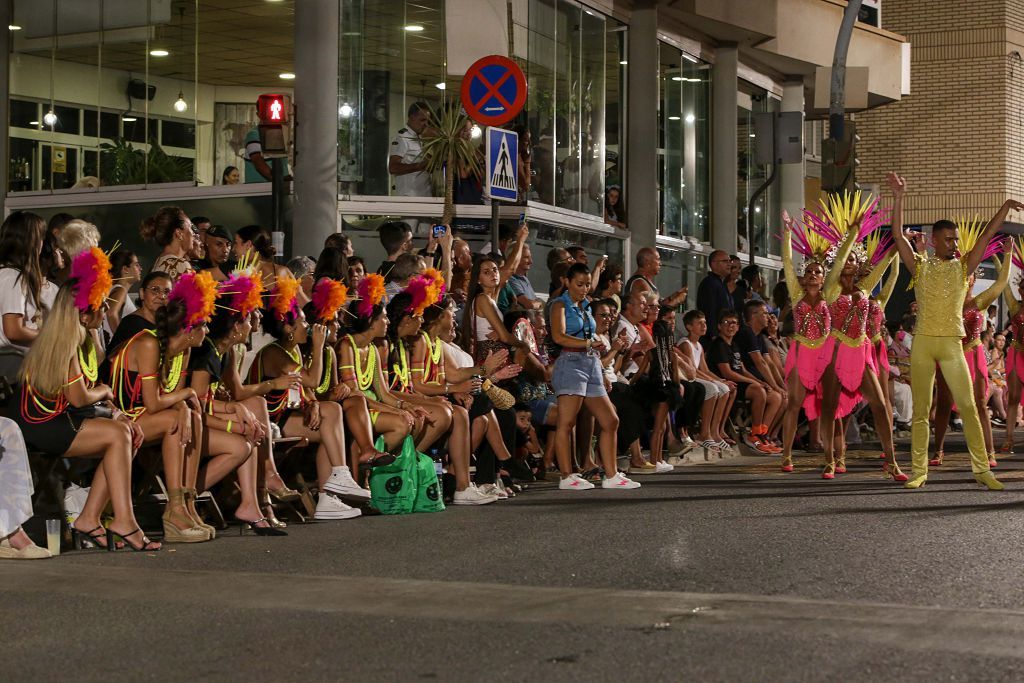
992, 632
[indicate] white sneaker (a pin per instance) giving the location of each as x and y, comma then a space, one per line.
574, 482
619, 481
663, 467
493, 490
330, 507
342, 483
474, 496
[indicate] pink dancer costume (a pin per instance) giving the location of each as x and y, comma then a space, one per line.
811, 349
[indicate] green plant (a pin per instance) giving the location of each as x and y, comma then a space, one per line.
123, 164
448, 147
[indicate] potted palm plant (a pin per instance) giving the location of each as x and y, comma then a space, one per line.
448, 148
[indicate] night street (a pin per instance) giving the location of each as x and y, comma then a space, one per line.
723, 572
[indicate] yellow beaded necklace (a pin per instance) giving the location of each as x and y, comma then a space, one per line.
170, 382
364, 375
402, 366
89, 362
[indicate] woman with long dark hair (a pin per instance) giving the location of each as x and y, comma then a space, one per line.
577, 381
482, 328
22, 287
172, 230
126, 272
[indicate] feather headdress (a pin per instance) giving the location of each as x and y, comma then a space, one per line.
423, 293
198, 291
837, 217
242, 292
371, 291
878, 246
1017, 247
437, 283
284, 305
91, 272
971, 231
328, 298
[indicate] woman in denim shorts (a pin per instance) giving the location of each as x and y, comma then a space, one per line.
576, 379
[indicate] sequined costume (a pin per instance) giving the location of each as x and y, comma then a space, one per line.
810, 351
876, 319
1015, 351
974, 325
940, 289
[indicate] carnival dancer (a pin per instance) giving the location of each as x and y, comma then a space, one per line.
148, 376
877, 248
811, 347
851, 373
974, 352
1015, 352
299, 413
63, 411
940, 283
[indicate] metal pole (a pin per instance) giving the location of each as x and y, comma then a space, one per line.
837, 94
494, 225
764, 186
276, 189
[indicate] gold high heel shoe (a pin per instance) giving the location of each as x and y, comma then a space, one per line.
179, 527
191, 495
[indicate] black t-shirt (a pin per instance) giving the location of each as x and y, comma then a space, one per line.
723, 352
748, 343
205, 358
129, 326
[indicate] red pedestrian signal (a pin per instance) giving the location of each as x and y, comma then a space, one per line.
273, 109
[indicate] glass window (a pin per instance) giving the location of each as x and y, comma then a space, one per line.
178, 134
68, 120
109, 124
752, 175
24, 114
391, 55
615, 104
684, 144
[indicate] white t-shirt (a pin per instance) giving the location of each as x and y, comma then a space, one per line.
409, 148
460, 359
632, 336
14, 300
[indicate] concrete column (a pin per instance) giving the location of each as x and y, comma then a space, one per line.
316, 130
724, 83
641, 192
791, 176
6, 18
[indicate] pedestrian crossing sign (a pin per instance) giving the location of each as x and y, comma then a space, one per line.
502, 164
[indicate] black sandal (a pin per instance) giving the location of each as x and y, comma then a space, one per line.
379, 460
146, 543
79, 537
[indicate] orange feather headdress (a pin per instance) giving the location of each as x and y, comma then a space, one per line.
91, 272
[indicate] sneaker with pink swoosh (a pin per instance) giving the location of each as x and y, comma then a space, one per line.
619, 481
574, 482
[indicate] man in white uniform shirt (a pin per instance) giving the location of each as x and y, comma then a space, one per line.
405, 160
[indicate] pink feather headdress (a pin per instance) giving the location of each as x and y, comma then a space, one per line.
242, 292
91, 272
198, 291
328, 298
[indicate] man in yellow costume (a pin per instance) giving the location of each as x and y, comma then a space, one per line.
940, 285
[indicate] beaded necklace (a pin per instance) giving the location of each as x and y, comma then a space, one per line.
402, 366
325, 383
89, 362
435, 354
170, 382
364, 375
46, 408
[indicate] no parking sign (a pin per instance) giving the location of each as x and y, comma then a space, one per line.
493, 90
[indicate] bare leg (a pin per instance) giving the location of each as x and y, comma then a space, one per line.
797, 393
459, 447
568, 409
658, 433
438, 425
604, 412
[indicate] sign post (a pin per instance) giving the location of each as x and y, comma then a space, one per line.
493, 93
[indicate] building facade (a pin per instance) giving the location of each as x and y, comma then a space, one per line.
119, 106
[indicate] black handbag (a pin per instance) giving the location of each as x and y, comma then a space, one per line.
91, 411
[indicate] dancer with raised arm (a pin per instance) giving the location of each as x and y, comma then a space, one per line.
940, 282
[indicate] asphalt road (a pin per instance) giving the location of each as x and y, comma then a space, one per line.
724, 572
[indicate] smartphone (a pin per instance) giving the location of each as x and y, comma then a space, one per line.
439, 230
294, 397
522, 218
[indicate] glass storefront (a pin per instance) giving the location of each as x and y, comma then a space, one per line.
751, 175
684, 144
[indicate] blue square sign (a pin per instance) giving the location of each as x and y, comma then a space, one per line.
502, 164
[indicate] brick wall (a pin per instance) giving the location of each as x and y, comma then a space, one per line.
959, 137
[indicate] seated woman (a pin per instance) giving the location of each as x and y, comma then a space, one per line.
148, 379
362, 369
126, 271
296, 411
153, 296
436, 372
405, 316
62, 411
16, 503
328, 297
235, 429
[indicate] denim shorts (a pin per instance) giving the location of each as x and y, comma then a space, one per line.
578, 374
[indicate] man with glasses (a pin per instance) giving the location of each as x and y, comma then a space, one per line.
712, 294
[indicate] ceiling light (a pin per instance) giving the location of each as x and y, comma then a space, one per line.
345, 110
623, 62
413, 28
50, 119
753, 135
690, 118
180, 105
673, 118
33, 123
440, 86
13, 27
475, 132
129, 119
678, 78
757, 209
690, 58
158, 52
287, 76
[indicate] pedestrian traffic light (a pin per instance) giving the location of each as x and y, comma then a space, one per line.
276, 120
839, 161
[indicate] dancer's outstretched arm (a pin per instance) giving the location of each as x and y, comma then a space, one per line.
831, 289
890, 284
898, 185
984, 299
973, 259
871, 280
792, 282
